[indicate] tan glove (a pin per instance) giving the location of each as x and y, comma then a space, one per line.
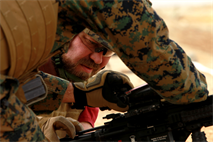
103, 90
49, 126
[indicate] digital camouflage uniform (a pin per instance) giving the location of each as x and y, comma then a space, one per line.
140, 38
52, 106
137, 35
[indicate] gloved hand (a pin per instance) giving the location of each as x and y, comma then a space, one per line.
49, 125
103, 90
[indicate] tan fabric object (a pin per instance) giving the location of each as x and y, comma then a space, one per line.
60, 123
98, 101
71, 114
98, 80
26, 48
64, 110
67, 112
77, 124
95, 98
4, 54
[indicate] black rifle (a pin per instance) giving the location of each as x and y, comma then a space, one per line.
150, 118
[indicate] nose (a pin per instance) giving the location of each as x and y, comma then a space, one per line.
97, 57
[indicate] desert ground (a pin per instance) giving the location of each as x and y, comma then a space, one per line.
192, 28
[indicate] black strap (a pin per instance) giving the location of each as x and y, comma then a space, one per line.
80, 98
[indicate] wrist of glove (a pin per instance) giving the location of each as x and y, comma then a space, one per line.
104, 90
50, 125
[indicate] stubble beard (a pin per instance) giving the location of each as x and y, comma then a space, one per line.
70, 67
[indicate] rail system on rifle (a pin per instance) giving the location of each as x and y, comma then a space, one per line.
151, 118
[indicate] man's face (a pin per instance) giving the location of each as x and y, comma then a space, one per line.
80, 60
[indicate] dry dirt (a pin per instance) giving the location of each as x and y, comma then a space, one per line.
192, 29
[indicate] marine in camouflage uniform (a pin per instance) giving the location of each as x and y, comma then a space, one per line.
55, 95
140, 38
137, 35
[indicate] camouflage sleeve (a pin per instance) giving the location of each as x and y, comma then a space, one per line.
56, 89
17, 121
140, 38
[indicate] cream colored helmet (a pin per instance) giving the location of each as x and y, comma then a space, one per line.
27, 34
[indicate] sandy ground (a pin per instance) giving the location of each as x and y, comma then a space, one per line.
192, 29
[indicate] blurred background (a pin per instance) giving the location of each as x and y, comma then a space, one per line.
190, 24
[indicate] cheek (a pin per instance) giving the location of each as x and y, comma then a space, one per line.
76, 50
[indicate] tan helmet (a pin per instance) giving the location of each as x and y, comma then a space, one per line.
27, 34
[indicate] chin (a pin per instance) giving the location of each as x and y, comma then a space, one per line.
83, 75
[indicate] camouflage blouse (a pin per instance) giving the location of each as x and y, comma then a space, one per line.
140, 38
